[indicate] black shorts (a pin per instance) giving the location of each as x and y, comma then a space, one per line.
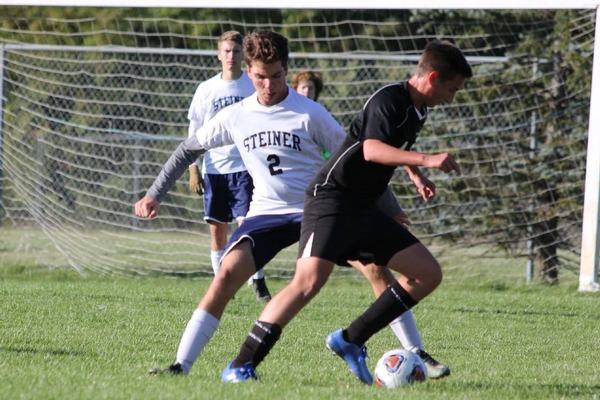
338, 231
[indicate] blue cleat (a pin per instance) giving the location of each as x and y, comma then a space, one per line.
239, 374
354, 355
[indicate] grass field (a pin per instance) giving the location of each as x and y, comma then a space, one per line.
67, 337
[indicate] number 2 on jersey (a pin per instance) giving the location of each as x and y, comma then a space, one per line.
274, 161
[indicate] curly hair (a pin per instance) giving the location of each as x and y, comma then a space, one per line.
308, 75
267, 47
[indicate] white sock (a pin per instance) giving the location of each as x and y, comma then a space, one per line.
406, 331
196, 336
257, 275
215, 255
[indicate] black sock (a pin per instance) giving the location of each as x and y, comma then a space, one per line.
393, 302
258, 344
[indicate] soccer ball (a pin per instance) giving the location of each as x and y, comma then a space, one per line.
399, 367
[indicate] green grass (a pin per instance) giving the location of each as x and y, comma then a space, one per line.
66, 337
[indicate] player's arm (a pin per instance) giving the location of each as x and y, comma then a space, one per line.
375, 150
196, 180
327, 132
185, 154
425, 187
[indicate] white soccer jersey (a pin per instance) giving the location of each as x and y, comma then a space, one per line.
280, 145
211, 97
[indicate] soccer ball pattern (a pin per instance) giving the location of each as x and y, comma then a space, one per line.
399, 367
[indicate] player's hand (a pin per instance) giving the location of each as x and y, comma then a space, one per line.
196, 181
425, 187
443, 161
147, 207
402, 219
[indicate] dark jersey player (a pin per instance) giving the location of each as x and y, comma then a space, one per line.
342, 198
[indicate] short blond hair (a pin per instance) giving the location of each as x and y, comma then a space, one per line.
231, 36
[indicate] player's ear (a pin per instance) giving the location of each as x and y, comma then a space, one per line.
431, 77
248, 69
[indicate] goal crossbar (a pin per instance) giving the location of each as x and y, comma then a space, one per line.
318, 4
315, 56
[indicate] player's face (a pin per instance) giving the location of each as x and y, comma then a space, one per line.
269, 82
230, 55
442, 92
307, 88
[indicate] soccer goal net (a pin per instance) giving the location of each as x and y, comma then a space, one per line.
95, 100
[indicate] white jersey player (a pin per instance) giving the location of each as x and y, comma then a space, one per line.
210, 98
280, 146
280, 135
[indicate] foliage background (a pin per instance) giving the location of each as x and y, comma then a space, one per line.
519, 128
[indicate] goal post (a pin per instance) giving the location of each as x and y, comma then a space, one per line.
590, 237
343, 94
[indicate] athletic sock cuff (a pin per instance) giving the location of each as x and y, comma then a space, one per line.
402, 295
204, 317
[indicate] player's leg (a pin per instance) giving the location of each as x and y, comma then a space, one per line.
218, 240
217, 214
386, 240
404, 327
401, 295
259, 284
310, 276
240, 195
261, 291
251, 246
422, 273
236, 266
312, 272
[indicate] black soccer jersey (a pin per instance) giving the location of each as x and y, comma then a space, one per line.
388, 116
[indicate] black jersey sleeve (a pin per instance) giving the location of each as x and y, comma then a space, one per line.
384, 112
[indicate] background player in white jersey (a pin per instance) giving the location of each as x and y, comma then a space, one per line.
342, 198
309, 83
225, 183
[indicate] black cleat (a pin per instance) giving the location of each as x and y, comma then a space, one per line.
261, 290
174, 369
435, 369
